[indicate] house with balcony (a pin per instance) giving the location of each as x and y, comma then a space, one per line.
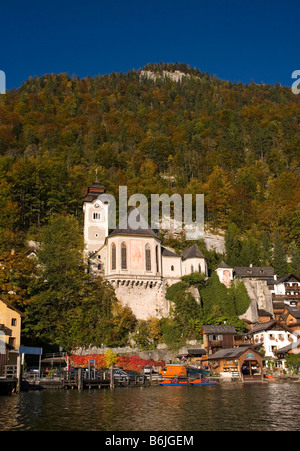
272, 336
10, 334
221, 336
291, 318
282, 353
285, 293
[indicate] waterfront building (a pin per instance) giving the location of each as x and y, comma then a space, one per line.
272, 336
10, 334
243, 362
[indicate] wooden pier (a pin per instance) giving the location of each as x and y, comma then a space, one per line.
81, 380
13, 381
9, 381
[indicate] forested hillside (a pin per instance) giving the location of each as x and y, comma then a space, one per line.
187, 132
238, 144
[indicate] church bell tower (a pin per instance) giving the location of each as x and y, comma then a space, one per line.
95, 218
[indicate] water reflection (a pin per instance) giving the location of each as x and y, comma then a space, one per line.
223, 407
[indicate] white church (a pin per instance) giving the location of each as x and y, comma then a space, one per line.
134, 260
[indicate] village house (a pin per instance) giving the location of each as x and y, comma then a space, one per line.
217, 337
286, 292
263, 273
10, 334
272, 336
281, 354
291, 318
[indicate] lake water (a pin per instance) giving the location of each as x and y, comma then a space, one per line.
225, 407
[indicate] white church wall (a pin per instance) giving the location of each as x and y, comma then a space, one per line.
171, 267
136, 255
191, 265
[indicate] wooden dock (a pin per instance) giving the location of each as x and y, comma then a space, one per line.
9, 381
81, 380
8, 386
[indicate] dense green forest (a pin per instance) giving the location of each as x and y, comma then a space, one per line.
238, 144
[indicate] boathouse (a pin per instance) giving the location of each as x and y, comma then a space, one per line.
243, 362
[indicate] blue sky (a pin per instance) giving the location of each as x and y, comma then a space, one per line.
236, 40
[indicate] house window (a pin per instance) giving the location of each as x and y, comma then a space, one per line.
13, 321
96, 216
113, 256
12, 341
123, 256
215, 337
148, 257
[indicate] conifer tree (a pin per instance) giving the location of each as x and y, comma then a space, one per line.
279, 258
233, 245
266, 250
295, 261
250, 253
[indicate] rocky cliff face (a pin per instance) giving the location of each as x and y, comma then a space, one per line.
177, 75
261, 299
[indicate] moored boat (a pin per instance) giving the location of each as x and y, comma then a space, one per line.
172, 383
202, 382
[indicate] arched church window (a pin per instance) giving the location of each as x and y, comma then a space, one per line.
123, 256
192, 268
156, 258
199, 268
148, 257
113, 256
172, 268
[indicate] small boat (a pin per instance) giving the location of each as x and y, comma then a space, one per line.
202, 382
172, 383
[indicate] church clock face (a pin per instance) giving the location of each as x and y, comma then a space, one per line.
97, 205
